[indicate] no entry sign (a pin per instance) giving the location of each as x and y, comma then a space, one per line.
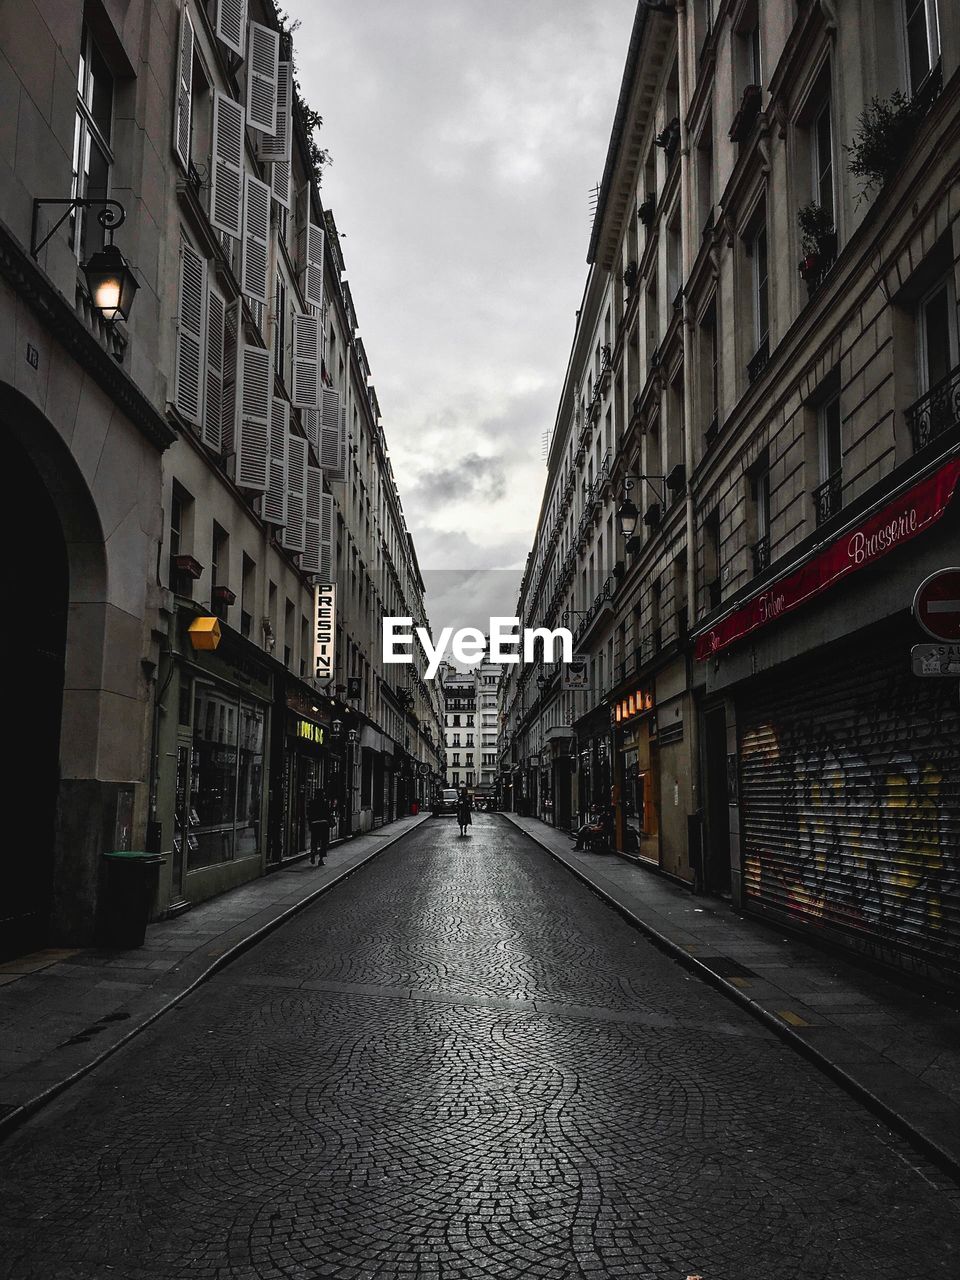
936, 606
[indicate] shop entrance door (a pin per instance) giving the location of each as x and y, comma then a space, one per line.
717, 850
33, 658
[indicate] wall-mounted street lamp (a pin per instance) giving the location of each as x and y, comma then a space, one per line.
628, 515
541, 682
110, 279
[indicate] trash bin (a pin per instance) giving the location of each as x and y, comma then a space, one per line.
131, 885
414, 807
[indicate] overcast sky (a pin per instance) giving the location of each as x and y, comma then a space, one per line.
465, 136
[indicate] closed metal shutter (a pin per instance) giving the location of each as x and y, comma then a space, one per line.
850, 802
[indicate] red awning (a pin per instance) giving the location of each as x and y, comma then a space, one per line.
899, 521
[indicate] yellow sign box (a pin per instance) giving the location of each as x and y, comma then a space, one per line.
204, 633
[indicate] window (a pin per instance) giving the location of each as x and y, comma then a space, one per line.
219, 567
705, 176
710, 369
937, 335
248, 590
92, 155
280, 329
755, 54
822, 156
761, 287
760, 511
922, 30
828, 495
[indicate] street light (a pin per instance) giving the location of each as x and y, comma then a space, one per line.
111, 283
627, 517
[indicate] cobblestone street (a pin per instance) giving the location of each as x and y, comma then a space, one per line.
460, 1063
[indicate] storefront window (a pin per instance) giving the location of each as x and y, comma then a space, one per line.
226, 781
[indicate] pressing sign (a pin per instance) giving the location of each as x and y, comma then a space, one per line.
936, 606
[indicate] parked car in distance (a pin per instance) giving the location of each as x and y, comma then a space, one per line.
446, 802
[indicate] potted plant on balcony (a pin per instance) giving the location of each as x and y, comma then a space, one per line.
885, 132
818, 239
630, 275
647, 209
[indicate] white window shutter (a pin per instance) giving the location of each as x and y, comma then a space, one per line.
280, 182
311, 426
253, 418
326, 537
184, 95
231, 375
256, 237
211, 433
310, 252
310, 560
274, 508
226, 192
232, 23
306, 361
263, 61
276, 146
188, 391
343, 441
330, 454
293, 531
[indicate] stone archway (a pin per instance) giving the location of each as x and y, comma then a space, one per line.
53, 582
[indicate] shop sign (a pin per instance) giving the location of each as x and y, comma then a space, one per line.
309, 731
575, 674
895, 524
634, 704
325, 630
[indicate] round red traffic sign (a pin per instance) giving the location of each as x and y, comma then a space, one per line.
936, 606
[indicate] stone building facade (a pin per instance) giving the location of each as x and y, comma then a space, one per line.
763, 395
218, 455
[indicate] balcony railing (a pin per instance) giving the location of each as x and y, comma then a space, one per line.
935, 413
760, 360
828, 497
761, 554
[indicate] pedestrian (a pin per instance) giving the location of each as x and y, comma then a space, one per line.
463, 811
319, 813
592, 829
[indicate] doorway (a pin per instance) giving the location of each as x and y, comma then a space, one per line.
716, 868
34, 579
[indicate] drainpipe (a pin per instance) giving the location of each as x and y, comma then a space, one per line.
688, 250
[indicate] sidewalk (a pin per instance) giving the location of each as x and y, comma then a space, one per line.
896, 1050
64, 1011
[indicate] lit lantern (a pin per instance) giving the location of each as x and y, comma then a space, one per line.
111, 282
204, 633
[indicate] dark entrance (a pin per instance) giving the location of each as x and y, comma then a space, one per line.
717, 835
34, 581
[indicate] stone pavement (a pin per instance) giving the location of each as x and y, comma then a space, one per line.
896, 1049
63, 1011
462, 1064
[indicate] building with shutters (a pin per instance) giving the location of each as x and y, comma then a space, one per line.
280, 480
214, 458
753, 468
470, 706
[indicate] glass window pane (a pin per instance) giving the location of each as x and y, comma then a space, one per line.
936, 322
249, 780
100, 100
824, 160
214, 780
760, 267
918, 52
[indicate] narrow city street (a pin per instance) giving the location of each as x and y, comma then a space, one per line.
461, 1063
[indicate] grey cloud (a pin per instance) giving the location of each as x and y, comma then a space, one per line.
471, 474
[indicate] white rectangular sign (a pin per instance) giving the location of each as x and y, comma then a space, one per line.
575, 674
324, 633
935, 659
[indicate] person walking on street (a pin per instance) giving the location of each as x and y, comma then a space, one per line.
464, 811
319, 813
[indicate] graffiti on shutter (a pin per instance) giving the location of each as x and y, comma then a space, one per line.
274, 507
330, 436
310, 560
292, 537
306, 361
212, 430
256, 234
263, 59
253, 420
184, 93
188, 395
850, 795
231, 23
276, 146
226, 192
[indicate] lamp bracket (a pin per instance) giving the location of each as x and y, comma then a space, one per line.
112, 215
653, 481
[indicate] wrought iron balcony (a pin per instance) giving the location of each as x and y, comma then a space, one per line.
935, 413
761, 554
760, 360
828, 497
